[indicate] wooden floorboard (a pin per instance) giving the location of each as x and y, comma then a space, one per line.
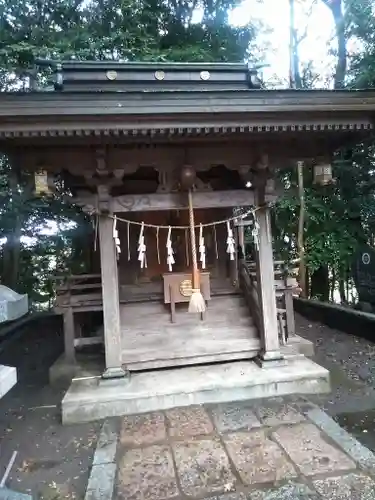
150, 340
185, 360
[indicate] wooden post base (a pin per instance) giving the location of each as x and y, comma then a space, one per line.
270, 359
117, 372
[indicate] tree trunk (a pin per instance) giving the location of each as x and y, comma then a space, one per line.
301, 226
12, 247
320, 284
342, 290
333, 284
336, 8
296, 82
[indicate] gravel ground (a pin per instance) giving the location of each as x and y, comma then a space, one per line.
351, 362
53, 461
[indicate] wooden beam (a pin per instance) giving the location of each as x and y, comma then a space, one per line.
243, 223
176, 201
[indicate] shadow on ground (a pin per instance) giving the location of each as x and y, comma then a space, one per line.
53, 461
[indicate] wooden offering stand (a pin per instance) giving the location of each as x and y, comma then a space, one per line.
178, 289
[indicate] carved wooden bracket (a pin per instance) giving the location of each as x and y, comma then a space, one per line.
200, 186
168, 182
261, 172
102, 175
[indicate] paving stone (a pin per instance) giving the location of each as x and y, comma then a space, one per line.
234, 417
290, 491
101, 482
188, 422
203, 467
6, 494
309, 451
279, 414
146, 474
257, 458
142, 429
107, 444
349, 487
358, 452
230, 496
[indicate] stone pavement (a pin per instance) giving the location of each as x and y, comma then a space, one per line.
277, 449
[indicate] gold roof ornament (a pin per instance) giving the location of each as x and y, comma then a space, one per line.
111, 75
159, 75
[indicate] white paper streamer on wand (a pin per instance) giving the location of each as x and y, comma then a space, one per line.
116, 238
230, 242
128, 238
96, 229
255, 231
142, 248
215, 241
157, 244
202, 249
170, 258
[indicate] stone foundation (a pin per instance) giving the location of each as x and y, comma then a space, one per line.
93, 398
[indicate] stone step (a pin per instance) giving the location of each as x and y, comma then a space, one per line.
195, 385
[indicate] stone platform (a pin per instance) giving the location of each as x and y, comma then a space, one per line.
276, 449
91, 398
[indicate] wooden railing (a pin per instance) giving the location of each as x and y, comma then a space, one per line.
248, 286
76, 290
286, 287
283, 274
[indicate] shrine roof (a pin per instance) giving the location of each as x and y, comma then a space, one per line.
111, 76
184, 101
131, 98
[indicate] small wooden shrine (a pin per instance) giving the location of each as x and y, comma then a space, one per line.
171, 161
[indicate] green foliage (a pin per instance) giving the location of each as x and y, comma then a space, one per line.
147, 30
339, 217
360, 20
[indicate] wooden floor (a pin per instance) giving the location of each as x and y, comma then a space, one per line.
150, 340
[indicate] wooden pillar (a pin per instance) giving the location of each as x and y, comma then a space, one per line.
111, 300
266, 289
289, 308
241, 238
69, 332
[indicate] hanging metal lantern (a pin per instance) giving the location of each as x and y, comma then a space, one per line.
44, 184
323, 173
